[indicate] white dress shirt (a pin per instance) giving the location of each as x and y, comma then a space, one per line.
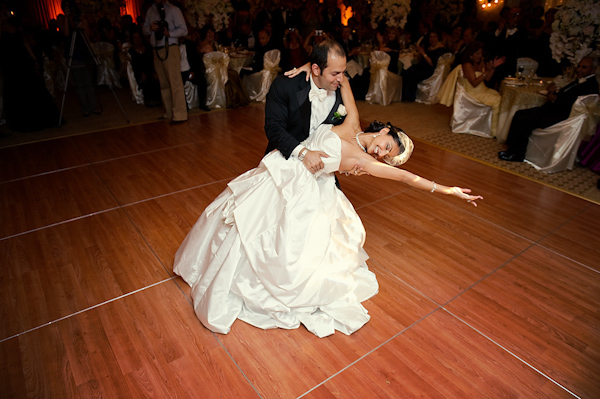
318, 112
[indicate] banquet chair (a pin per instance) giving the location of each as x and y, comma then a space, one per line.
469, 115
136, 91
428, 89
107, 74
257, 84
554, 148
385, 87
216, 63
191, 95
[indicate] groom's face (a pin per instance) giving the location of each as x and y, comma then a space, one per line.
330, 78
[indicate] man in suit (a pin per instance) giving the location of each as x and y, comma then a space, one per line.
296, 107
557, 108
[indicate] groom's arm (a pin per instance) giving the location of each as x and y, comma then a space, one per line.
277, 117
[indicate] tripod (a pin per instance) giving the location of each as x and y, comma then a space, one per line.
96, 61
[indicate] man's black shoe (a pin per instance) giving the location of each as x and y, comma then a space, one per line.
510, 157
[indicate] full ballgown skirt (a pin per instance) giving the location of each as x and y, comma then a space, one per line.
280, 247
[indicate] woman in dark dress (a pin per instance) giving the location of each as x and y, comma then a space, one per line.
420, 71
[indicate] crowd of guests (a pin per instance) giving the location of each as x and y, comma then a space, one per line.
163, 64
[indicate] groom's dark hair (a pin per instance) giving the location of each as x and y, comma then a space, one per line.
323, 49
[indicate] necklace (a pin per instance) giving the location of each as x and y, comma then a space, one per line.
358, 141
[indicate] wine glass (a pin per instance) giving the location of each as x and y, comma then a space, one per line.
520, 70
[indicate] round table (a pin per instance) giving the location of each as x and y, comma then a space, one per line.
517, 95
239, 60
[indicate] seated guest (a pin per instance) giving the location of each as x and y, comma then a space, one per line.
207, 42
245, 37
476, 71
468, 37
420, 71
293, 54
387, 41
264, 44
142, 63
557, 108
348, 43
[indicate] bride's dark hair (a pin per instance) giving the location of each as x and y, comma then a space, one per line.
403, 141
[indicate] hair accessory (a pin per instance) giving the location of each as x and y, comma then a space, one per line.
405, 152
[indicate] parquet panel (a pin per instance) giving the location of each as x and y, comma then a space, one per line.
57, 271
435, 244
576, 239
164, 222
522, 206
439, 358
40, 201
544, 308
36, 158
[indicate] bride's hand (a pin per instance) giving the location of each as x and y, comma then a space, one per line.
464, 193
294, 72
356, 171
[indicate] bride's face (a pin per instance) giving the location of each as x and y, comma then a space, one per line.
383, 146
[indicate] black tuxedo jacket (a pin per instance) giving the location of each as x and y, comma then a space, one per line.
287, 113
565, 97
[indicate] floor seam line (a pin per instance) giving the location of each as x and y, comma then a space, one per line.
87, 309
512, 353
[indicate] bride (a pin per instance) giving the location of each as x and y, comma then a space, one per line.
282, 247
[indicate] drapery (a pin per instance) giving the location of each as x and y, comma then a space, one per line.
45, 10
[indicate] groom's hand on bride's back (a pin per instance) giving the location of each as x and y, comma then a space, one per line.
313, 162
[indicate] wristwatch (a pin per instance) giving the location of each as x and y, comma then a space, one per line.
302, 153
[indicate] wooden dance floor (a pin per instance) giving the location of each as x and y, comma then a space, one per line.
499, 301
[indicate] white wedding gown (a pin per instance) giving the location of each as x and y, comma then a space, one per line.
280, 247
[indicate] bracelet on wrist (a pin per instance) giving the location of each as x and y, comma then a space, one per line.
434, 187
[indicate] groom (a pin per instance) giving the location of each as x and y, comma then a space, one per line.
295, 108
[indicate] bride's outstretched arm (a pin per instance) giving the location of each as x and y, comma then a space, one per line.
352, 156
352, 121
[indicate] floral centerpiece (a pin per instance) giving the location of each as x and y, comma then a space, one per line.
576, 30
215, 12
391, 13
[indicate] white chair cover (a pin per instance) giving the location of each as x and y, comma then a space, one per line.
107, 74
136, 91
257, 84
469, 115
529, 65
385, 87
428, 89
554, 148
191, 95
216, 63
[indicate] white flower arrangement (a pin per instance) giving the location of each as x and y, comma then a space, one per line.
391, 12
217, 12
576, 30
